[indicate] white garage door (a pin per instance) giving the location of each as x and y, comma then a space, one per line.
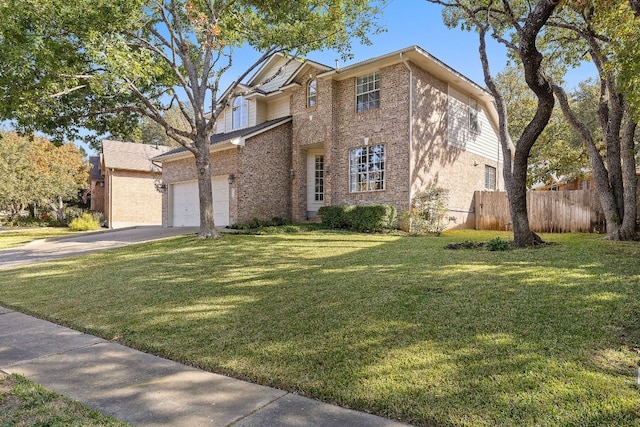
186, 204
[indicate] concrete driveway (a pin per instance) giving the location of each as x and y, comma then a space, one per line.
51, 249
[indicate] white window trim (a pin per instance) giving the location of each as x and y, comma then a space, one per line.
241, 108
356, 186
313, 96
474, 105
376, 83
495, 177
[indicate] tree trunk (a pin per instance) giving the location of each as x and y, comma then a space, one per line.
516, 157
203, 168
628, 227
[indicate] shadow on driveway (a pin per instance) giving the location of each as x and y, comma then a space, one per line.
67, 246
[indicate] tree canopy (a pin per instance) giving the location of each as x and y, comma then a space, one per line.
34, 171
102, 64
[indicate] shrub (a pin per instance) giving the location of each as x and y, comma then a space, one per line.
361, 218
335, 216
497, 244
371, 218
41, 221
427, 213
84, 222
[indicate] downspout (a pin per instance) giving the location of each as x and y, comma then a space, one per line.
110, 223
404, 61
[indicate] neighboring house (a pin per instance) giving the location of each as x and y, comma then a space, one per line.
127, 184
309, 135
582, 183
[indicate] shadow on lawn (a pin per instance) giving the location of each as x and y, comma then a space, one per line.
397, 326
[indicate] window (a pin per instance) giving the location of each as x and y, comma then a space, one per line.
367, 92
319, 178
474, 126
240, 112
489, 177
366, 168
312, 93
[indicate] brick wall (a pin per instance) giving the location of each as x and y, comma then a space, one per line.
261, 186
438, 164
334, 125
313, 128
182, 170
263, 179
131, 199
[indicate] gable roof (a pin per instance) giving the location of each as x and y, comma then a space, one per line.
129, 155
228, 139
419, 57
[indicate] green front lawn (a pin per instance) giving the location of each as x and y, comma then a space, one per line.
23, 403
389, 324
13, 238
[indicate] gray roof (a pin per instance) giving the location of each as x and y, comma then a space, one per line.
219, 138
130, 156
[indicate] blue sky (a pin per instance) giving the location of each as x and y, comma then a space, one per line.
408, 23
418, 22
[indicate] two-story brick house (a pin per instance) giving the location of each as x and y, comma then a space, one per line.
309, 135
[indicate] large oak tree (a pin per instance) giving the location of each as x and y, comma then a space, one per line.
605, 31
517, 24
101, 64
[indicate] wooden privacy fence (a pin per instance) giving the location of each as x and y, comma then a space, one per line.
549, 211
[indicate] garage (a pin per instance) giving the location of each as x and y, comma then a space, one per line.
186, 204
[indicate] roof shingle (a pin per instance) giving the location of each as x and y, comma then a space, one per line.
130, 156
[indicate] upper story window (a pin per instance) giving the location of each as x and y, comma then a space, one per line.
312, 93
240, 112
474, 125
366, 168
367, 92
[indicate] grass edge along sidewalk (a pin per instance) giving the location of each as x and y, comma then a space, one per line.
389, 324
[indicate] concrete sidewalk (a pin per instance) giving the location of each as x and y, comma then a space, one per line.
146, 390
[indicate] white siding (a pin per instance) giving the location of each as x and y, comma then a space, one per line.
483, 143
251, 119
261, 112
278, 72
279, 108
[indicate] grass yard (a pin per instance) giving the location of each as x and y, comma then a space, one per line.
23, 403
389, 324
11, 238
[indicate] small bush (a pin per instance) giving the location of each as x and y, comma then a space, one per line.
361, 218
427, 213
41, 221
256, 223
497, 244
335, 216
84, 222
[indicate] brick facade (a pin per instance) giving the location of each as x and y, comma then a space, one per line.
270, 171
131, 199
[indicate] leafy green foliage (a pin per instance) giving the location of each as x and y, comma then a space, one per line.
85, 222
361, 218
558, 152
335, 216
497, 244
427, 213
101, 65
33, 171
